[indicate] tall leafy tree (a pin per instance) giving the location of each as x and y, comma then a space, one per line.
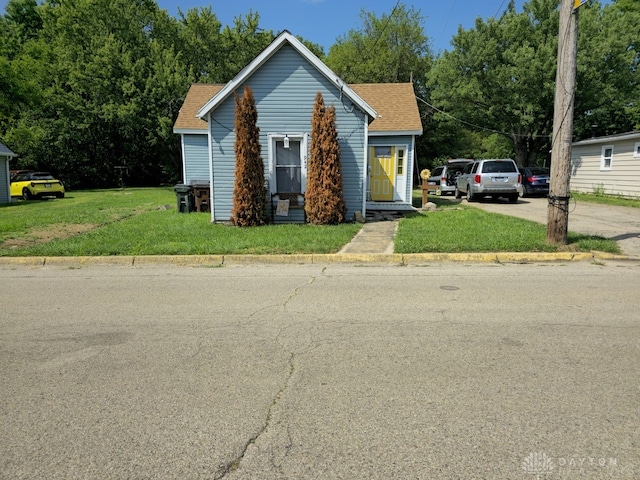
110, 89
392, 48
249, 193
608, 74
500, 75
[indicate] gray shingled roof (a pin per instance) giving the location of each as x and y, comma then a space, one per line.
5, 152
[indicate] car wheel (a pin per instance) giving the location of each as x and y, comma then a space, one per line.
470, 196
525, 191
457, 193
513, 198
60, 195
26, 194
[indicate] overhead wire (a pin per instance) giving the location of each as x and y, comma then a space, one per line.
479, 127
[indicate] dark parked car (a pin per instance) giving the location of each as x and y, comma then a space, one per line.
13, 173
535, 181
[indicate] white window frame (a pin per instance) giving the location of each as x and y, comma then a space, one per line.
303, 138
603, 158
636, 150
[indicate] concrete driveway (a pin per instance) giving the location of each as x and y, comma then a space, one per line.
621, 224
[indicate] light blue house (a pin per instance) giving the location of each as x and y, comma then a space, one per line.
377, 126
5, 179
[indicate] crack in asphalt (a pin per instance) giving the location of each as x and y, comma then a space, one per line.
235, 463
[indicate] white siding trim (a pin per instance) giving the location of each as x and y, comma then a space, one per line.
365, 167
636, 150
212, 190
413, 160
190, 131
184, 159
395, 133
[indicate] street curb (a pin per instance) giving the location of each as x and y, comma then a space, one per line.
415, 259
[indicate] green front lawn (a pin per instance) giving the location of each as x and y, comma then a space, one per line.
145, 221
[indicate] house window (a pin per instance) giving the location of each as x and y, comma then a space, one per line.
287, 161
607, 157
382, 152
400, 161
636, 150
288, 167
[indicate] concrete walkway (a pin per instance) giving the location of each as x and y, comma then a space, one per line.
373, 237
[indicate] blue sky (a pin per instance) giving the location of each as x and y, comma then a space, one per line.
323, 21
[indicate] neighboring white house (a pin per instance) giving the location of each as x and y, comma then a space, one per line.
377, 127
609, 165
5, 179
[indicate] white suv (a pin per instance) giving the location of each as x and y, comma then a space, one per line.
497, 178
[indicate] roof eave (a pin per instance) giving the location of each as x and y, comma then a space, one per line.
381, 133
190, 131
608, 138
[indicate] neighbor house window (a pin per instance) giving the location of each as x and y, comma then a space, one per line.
607, 157
636, 150
400, 161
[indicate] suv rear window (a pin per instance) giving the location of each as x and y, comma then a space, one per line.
495, 166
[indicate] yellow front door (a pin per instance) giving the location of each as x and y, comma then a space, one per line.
382, 165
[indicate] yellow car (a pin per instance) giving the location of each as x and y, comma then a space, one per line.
36, 185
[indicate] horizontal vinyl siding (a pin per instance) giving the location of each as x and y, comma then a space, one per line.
222, 139
196, 149
285, 89
622, 179
5, 196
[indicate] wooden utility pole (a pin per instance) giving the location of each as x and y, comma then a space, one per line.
558, 209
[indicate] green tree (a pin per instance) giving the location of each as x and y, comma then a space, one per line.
608, 77
324, 198
389, 49
109, 88
249, 193
241, 44
500, 75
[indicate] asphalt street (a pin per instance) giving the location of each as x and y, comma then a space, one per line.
441, 371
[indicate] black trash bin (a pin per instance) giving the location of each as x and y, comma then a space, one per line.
184, 198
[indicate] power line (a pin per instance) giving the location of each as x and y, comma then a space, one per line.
385, 26
473, 125
499, 9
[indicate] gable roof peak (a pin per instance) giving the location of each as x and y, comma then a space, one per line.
286, 37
